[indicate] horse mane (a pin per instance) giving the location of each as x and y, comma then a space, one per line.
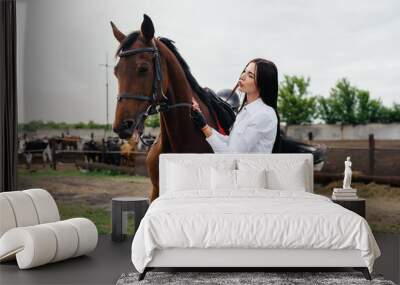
192, 81
132, 37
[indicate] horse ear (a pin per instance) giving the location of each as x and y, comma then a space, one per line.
147, 28
117, 33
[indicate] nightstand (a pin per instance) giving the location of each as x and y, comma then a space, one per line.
120, 208
356, 205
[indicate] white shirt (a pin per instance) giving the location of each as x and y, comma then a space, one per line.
253, 131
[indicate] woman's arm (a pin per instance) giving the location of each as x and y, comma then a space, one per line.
217, 141
209, 131
262, 126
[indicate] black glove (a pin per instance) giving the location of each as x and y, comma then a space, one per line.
198, 118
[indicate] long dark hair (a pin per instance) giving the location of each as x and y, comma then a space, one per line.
267, 84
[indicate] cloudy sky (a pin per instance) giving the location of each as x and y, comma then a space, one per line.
61, 45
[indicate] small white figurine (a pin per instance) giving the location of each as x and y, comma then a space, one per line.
347, 174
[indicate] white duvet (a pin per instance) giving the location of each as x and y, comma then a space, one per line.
253, 218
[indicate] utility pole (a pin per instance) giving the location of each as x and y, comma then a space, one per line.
107, 66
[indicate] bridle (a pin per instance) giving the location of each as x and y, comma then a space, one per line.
155, 106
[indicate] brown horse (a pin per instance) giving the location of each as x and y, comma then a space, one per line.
153, 77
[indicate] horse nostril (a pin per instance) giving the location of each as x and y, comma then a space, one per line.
127, 124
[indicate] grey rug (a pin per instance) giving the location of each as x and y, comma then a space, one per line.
225, 278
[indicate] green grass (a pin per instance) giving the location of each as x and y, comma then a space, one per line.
101, 174
99, 216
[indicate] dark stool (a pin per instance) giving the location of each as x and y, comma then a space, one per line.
355, 205
121, 206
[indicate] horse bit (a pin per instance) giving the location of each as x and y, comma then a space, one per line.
155, 107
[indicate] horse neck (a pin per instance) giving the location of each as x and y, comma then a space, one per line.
176, 123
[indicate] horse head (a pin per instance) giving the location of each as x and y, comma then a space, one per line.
142, 79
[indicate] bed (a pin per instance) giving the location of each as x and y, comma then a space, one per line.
247, 210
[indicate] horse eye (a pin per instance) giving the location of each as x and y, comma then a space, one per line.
142, 69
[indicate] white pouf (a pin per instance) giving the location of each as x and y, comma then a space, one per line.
31, 232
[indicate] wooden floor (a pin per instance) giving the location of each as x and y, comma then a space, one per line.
103, 266
111, 259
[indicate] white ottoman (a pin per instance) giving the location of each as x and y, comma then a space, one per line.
31, 232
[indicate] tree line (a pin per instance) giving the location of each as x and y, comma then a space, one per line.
346, 104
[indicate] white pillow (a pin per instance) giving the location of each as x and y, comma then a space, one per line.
223, 179
251, 178
292, 180
184, 174
281, 174
182, 177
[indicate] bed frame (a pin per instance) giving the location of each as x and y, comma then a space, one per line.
242, 258
256, 258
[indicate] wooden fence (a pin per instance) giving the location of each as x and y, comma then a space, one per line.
366, 159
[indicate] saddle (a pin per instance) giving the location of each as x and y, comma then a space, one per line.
222, 111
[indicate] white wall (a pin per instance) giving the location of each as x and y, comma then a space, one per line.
345, 132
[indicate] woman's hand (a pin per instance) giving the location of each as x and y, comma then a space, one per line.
198, 118
207, 131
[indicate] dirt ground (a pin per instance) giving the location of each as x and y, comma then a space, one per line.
89, 190
383, 201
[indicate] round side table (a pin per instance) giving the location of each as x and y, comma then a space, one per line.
121, 206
